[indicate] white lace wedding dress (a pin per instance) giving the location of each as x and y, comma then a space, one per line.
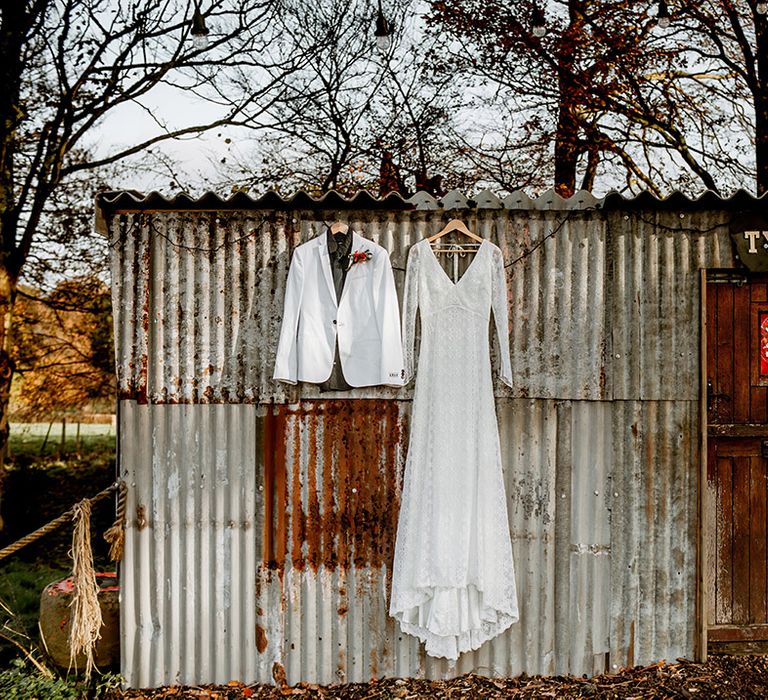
453, 581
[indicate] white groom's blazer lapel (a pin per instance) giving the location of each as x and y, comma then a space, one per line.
325, 264
357, 244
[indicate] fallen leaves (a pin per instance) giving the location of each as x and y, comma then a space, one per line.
736, 677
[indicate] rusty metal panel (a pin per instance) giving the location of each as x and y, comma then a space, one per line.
189, 573
323, 599
588, 581
129, 266
213, 308
559, 294
260, 541
323, 616
332, 482
653, 531
656, 299
203, 300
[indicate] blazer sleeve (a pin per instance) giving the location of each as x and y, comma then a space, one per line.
388, 319
500, 307
287, 358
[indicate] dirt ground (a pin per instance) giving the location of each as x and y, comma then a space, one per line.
742, 677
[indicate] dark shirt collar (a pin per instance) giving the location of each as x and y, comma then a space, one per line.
339, 249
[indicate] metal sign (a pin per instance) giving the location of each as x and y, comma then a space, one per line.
749, 233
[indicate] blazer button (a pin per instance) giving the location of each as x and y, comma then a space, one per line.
334, 321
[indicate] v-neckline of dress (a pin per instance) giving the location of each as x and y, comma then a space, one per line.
444, 273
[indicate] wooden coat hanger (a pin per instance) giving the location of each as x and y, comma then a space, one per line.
460, 226
339, 227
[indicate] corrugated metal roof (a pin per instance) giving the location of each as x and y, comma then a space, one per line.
677, 201
131, 200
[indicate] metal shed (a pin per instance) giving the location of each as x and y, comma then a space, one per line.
261, 517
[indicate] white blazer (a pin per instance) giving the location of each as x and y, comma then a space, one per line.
366, 318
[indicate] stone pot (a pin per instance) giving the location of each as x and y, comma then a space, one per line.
55, 622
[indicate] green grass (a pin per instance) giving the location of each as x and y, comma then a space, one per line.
25, 429
33, 441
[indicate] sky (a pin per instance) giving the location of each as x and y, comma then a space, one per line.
131, 123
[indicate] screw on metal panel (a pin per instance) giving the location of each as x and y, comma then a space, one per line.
141, 517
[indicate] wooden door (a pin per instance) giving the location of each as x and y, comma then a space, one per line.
736, 515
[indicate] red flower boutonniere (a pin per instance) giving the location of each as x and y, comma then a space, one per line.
360, 256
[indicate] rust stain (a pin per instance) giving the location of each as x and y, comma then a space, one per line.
391, 441
602, 377
312, 522
280, 490
143, 274
278, 674
298, 519
343, 606
631, 648
343, 501
329, 516
268, 459
341, 523
261, 639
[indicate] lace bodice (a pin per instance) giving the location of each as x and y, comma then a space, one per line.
432, 294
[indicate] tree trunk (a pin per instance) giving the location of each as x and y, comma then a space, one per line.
761, 143
566, 150
567, 135
7, 294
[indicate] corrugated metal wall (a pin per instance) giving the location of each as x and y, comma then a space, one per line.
262, 517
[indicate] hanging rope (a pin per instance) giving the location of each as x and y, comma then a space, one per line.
85, 619
115, 535
53, 524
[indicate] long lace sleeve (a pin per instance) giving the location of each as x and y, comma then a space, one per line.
501, 315
410, 308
